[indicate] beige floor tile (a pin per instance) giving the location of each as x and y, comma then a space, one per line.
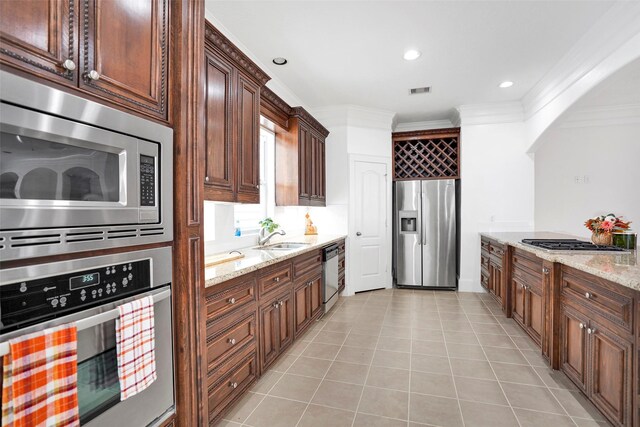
327, 337
332, 326
459, 316
267, 381
391, 359
276, 412
482, 319
516, 373
384, 402
348, 372
366, 329
283, 363
502, 341
427, 334
355, 355
316, 416
366, 420
534, 357
391, 378
482, 415
460, 337
488, 328
477, 390
532, 397
297, 348
395, 332
432, 364
321, 351
577, 405
310, 367
505, 355
431, 348
555, 379
464, 351
456, 326
338, 395
434, 384
434, 410
583, 422
359, 340
394, 344
472, 368
540, 419
295, 387
244, 407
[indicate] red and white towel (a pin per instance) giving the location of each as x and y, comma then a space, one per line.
39, 379
135, 344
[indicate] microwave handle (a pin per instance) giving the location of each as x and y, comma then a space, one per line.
92, 321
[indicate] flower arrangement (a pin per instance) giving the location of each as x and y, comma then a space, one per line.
602, 226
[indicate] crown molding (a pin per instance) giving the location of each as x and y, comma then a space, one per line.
483, 114
424, 125
303, 114
355, 115
615, 28
613, 115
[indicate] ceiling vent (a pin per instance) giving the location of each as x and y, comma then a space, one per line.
419, 90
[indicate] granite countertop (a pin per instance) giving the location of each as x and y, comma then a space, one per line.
255, 259
618, 267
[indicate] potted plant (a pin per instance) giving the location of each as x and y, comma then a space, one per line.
603, 226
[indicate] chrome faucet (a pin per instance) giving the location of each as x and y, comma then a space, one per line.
262, 240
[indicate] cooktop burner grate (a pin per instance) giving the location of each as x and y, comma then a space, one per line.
570, 245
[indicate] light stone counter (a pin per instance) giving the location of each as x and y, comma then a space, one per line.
618, 267
255, 259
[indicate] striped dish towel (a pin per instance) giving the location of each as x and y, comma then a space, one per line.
39, 379
135, 343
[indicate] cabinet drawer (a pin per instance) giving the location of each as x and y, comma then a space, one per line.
274, 278
341, 263
342, 247
226, 297
614, 304
484, 245
228, 336
522, 260
496, 251
526, 277
484, 279
341, 283
230, 385
306, 263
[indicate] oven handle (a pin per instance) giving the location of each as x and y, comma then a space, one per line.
92, 321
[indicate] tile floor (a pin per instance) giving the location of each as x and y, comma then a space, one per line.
413, 358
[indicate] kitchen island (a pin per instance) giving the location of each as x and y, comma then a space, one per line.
581, 309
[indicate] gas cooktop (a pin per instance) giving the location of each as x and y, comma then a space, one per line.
570, 245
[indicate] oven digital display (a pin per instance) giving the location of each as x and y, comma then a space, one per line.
84, 281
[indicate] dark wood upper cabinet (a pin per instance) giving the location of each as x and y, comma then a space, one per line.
113, 50
232, 122
219, 154
302, 147
40, 37
124, 52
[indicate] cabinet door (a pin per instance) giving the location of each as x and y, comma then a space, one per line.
38, 37
304, 164
124, 49
534, 312
219, 163
573, 345
610, 373
269, 325
315, 167
302, 308
518, 300
322, 173
248, 144
316, 288
495, 279
285, 320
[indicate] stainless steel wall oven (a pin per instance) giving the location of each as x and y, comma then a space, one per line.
76, 175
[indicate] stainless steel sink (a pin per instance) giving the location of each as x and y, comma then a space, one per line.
286, 246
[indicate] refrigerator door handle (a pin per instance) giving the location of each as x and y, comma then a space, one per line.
423, 231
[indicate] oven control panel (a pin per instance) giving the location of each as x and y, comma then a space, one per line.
33, 301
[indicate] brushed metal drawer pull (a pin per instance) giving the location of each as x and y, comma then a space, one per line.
582, 325
281, 303
277, 279
233, 384
588, 295
232, 341
545, 270
231, 300
591, 330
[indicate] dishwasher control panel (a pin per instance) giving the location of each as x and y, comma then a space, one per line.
32, 301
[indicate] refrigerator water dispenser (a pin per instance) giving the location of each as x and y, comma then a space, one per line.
408, 222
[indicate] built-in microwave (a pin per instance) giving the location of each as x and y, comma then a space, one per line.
76, 175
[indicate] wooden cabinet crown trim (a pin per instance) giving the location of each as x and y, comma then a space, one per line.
216, 39
303, 114
274, 108
419, 134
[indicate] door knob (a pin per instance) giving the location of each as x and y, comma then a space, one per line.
93, 75
358, 233
69, 65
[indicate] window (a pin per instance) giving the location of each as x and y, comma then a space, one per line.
247, 216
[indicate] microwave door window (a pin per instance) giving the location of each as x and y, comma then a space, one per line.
37, 169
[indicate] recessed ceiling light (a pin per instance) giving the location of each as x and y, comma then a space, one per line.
412, 54
505, 84
279, 61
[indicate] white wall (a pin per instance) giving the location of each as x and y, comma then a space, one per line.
609, 156
497, 190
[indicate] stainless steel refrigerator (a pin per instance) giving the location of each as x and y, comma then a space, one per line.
425, 239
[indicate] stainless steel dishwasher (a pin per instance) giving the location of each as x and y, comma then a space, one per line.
330, 276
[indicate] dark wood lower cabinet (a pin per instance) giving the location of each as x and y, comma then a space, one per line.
587, 327
276, 328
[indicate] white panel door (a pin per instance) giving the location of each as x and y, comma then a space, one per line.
370, 208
